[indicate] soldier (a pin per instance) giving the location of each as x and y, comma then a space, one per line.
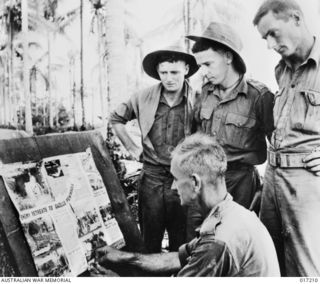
164, 113
290, 206
233, 109
232, 240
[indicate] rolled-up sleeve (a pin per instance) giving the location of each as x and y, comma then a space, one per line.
184, 253
206, 257
123, 113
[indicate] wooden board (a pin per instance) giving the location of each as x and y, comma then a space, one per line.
35, 148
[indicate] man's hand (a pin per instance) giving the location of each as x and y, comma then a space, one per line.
127, 141
313, 162
108, 254
136, 153
97, 270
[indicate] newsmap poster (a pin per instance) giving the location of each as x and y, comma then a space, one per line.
64, 210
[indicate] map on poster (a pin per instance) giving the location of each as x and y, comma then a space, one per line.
64, 210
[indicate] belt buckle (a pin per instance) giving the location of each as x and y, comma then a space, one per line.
274, 159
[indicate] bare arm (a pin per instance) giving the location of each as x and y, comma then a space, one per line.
127, 141
155, 263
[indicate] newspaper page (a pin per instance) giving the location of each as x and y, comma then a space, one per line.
64, 210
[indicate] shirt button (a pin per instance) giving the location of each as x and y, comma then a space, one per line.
298, 125
170, 149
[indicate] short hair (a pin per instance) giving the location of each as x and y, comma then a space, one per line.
205, 44
280, 9
201, 154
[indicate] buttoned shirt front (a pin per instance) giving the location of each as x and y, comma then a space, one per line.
297, 105
232, 242
167, 130
240, 122
143, 106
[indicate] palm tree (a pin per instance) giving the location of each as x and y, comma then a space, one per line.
98, 8
10, 16
26, 69
115, 46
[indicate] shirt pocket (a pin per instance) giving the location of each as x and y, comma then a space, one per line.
312, 115
206, 120
239, 130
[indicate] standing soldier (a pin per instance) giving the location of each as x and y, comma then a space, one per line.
233, 109
164, 113
290, 206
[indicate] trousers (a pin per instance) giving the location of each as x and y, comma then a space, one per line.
160, 209
290, 209
242, 183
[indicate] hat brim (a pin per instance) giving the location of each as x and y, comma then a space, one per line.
242, 66
151, 60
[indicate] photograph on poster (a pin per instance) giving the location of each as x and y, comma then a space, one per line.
28, 189
106, 213
46, 248
95, 181
87, 217
93, 241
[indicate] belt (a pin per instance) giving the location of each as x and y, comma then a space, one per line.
286, 160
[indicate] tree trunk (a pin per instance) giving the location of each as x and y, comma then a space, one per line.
81, 65
74, 104
187, 22
26, 70
6, 101
101, 72
2, 92
12, 96
50, 99
115, 46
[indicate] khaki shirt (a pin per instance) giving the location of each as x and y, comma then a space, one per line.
297, 105
232, 242
143, 106
240, 122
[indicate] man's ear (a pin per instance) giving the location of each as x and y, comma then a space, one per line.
197, 182
296, 15
187, 69
229, 57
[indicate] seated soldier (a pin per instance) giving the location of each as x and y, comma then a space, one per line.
232, 240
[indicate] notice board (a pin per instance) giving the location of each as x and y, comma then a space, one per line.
15, 257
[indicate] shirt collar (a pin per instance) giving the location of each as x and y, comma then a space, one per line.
241, 88
215, 216
315, 52
314, 56
185, 88
221, 205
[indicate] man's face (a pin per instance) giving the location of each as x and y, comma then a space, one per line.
172, 75
214, 65
281, 34
183, 183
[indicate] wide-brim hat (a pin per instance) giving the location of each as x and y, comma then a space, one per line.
225, 35
151, 60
